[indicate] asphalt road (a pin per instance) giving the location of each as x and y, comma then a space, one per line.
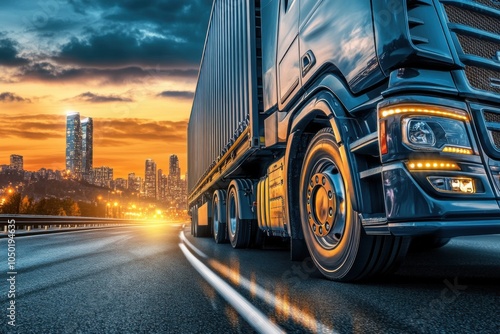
158, 279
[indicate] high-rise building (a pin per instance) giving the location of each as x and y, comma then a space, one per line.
102, 176
16, 162
162, 186
131, 182
134, 183
87, 148
74, 144
174, 188
174, 169
150, 179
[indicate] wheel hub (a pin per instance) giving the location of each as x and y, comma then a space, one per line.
321, 204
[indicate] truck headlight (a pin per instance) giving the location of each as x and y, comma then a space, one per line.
430, 133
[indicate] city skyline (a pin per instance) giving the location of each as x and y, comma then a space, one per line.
76, 139
132, 70
167, 189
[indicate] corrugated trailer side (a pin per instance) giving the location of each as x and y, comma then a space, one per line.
224, 124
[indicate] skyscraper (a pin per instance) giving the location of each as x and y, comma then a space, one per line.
150, 179
162, 185
16, 162
174, 182
87, 148
74, 144
174, 169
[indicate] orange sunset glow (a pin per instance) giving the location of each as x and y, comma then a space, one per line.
133, 70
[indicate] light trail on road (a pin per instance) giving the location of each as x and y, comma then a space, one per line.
277, 303
247, 311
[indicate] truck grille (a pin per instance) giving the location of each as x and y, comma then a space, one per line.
488, 121
477, 30
470, 18
496, 138
489, 3
481, 78
493, 118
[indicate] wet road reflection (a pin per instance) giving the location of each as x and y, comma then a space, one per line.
442, 290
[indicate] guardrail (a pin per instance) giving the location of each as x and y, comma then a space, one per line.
51, 223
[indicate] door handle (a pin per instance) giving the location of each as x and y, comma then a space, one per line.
308, 61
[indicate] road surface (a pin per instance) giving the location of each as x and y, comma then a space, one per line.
158, 279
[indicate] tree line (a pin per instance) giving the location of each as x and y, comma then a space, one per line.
15, 204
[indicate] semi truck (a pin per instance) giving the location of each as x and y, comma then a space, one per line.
348, 128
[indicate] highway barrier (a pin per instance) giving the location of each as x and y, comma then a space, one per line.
29, 224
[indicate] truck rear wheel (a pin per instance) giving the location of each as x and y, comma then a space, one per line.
194, 221
332, 229
239, 230
219, 216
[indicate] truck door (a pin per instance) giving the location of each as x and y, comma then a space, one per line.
288, 51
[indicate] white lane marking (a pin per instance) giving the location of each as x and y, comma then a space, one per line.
187, 242
250, 313
271, 299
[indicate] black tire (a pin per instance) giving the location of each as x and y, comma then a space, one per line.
194, 222
332, 230
219, 216
239, 230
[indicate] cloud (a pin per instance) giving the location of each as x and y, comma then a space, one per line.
140, 129
49, 72
94, 98
119, 131
35, 127
177, 94
9, 55
11, 97
124, 47
54, 25
162, 12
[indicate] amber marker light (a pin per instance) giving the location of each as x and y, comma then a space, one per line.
426, 110
432, 165
457, 150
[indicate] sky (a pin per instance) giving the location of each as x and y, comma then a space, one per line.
131, 65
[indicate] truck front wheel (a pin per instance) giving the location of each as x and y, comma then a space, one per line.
332, 229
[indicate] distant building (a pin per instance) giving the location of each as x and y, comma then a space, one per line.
174, 185
162, 186
42, 173
134, 183
16, 162
150, 179
173, 168
79, 146
102, 176
87, 148
51, 175
74, 144
120, 184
